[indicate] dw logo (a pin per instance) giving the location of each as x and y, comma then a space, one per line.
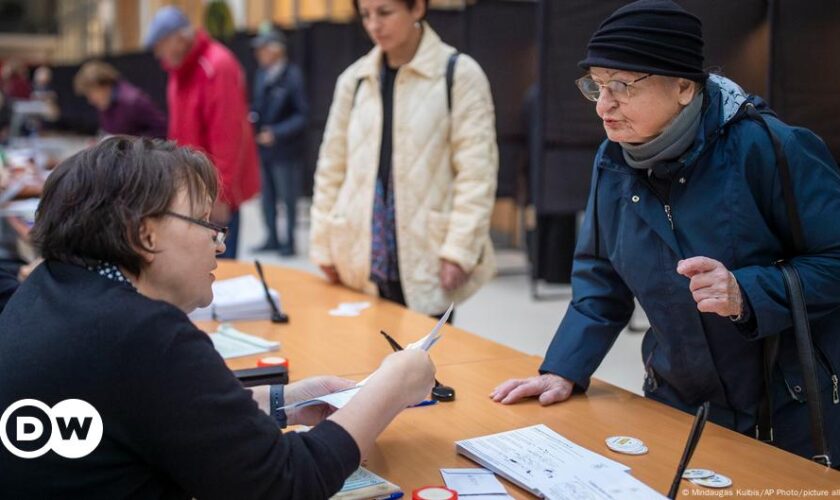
71, 428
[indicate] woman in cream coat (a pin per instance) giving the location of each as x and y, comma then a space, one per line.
406, 213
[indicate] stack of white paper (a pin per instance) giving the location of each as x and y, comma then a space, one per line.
237, 299
548, 465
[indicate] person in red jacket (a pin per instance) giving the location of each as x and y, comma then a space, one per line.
207, 100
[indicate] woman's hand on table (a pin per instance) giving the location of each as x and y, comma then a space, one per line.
548, 387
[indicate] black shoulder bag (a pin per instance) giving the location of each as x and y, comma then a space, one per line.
799, 314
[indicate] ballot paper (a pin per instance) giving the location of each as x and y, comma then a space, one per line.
341, 398
232, 343
238, 299
548, 465
433, 336
474, 484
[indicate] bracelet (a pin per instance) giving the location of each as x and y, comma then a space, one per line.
275, 404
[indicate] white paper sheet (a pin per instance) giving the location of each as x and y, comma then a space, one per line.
547, 464
349, 309
232, 343
474, 483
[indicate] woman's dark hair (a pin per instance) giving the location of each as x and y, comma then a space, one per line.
408, 3
95, 201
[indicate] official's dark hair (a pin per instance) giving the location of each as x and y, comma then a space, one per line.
408, 3
95, 201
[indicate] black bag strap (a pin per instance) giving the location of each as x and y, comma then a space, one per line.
450, 80
787, 183
807, 360
799, 315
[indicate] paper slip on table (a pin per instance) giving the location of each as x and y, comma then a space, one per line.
421, 441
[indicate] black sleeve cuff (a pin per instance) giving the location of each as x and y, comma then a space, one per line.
746, 324
335, 452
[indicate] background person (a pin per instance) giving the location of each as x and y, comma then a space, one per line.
207, 100
123, 108
280, 113
405, 187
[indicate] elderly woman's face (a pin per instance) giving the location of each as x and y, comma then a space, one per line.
181, 270
649, 108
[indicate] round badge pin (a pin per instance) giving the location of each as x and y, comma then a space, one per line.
716, 481
627, 445
698, 473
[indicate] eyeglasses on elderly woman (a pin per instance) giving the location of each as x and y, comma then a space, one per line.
621, 91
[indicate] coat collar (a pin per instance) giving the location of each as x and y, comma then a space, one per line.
426, 62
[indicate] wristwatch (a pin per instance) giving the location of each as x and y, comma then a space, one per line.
276, 403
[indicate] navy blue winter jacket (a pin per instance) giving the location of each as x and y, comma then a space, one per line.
726, 203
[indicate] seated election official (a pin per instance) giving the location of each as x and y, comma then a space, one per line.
128, 251
686, 213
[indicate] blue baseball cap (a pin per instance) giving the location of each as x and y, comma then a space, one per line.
167, 20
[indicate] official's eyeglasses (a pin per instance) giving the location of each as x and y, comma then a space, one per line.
221, 231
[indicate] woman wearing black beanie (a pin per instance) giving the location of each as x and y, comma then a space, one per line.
687, 214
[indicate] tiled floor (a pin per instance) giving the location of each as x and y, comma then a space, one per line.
502, 311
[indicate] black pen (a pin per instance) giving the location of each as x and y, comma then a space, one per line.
440, 392
693, 439
276, 315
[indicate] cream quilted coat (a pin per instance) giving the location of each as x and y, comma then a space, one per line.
444, 169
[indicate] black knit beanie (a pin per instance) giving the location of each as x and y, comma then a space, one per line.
649, 36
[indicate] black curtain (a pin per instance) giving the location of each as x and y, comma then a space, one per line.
804, 73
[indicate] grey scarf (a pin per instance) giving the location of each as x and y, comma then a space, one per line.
671, 143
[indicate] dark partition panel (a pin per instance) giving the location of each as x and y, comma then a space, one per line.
736, 34
571, 130
451, 25
328, 49
805, 74
501, 38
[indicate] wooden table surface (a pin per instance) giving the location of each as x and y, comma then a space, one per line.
316, 343
420, 441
